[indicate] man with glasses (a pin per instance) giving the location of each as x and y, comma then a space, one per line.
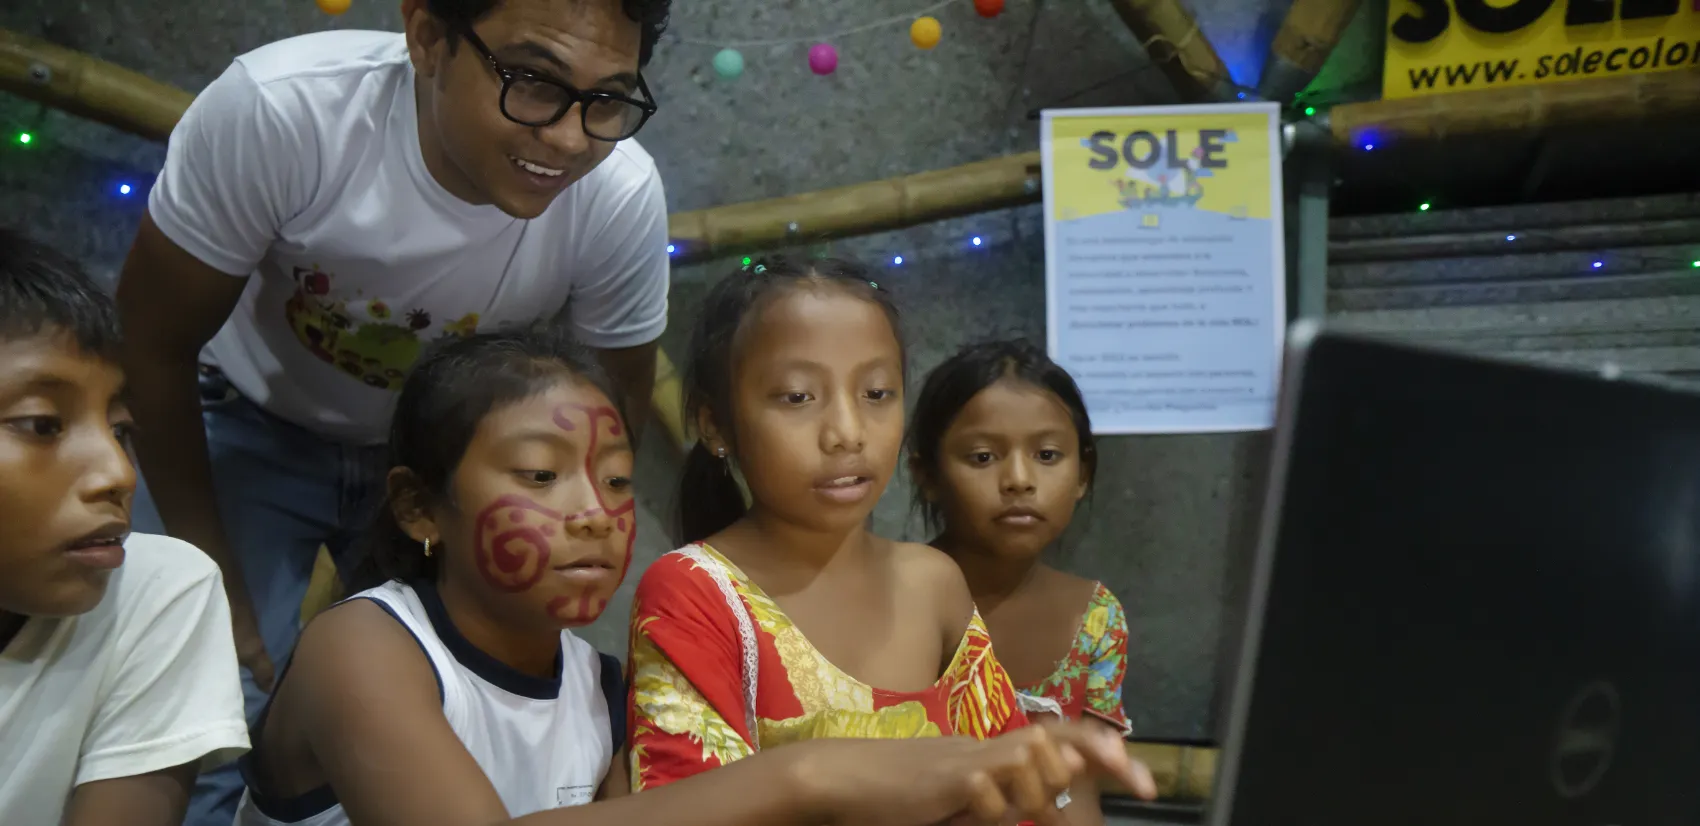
331, 205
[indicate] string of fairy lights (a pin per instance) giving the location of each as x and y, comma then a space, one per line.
925, 32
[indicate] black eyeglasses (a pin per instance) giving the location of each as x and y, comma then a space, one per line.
530, 99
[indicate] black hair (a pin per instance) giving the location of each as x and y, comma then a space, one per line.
454, 385
709, 498
953, 384
42, 290
650, 15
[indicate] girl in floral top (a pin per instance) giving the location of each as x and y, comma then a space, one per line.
1001, 449
790, 621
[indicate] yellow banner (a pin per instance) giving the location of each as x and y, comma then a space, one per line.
1439, 46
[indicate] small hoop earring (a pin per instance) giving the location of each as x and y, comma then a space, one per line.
427, 546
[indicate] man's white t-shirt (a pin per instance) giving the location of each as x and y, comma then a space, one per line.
146, 681
301, 166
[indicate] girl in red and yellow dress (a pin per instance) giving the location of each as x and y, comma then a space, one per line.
790, 621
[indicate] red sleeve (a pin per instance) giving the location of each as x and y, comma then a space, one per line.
686, 706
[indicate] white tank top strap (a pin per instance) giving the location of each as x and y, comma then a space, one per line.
541, 742
403, 603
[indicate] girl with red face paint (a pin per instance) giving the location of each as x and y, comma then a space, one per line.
451, 690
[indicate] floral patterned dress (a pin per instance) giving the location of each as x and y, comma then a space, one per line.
718, 671
1088, 681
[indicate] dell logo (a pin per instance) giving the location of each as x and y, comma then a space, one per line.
1586, 740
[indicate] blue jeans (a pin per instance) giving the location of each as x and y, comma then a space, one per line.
282, 492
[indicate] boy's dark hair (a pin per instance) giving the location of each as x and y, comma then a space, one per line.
650, 15
44, 291
709, 498
454, 385
953, 384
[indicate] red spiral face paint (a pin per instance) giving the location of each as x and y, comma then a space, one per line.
585, 607
512, 538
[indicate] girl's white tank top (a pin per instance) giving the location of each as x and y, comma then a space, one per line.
542, 743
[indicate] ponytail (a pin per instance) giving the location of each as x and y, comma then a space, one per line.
710, 500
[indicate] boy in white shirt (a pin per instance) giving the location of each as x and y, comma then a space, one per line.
118, 678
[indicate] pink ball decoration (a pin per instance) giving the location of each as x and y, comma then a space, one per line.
823, 59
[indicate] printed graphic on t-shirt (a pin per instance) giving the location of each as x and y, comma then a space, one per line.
366, 338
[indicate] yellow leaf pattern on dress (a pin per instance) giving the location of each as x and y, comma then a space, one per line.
638, 753
978, 699
664, 697
818, 684
903, 721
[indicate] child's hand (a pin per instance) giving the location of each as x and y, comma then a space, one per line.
963, 781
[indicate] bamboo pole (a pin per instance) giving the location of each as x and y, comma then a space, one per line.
1172, 39
1183, 773
89, 88
1616, 100
858, 209
1307, 36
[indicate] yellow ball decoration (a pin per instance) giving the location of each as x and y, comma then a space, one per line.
333, 7
925, 32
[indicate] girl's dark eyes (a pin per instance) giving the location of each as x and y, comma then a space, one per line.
45, 426
1049, 455
52, 427
983, 457
879, 395
544, 477
41, 427
796, 398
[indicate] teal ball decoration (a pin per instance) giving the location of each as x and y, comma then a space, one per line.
729, 64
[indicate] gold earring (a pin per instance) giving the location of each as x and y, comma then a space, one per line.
427, 546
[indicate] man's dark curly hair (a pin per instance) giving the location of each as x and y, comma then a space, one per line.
651, 15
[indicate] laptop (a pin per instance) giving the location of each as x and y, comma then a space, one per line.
1476, 599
